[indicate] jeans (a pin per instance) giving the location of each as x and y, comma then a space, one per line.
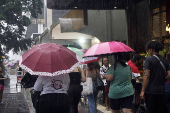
74, 93
167, 90
92, 99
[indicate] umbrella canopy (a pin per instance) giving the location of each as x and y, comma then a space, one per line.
87, 60
49, 59
80, 53
107, 48
77, 51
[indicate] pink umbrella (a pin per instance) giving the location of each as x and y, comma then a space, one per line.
107, 48
89, 59
49, 59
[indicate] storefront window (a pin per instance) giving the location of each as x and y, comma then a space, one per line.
158, 18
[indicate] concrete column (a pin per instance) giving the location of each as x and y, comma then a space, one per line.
49, 17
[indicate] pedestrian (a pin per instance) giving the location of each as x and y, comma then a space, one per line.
153, 89
133, 63
53, 97
121, 89
93, 73
167, 86
103, 71
76, 77
2, 78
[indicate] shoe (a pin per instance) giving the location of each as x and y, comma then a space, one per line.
108, 109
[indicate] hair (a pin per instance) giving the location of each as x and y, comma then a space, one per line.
136, 57
122, 58
168, 56
155, 45
96, 65
103, 59
90, 64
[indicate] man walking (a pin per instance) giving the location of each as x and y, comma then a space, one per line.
153, 89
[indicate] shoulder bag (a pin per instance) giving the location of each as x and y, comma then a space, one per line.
99, 82
161, 64
35, 96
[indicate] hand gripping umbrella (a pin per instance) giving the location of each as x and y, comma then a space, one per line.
106, 48
49, 59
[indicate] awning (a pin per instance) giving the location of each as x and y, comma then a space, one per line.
90, 4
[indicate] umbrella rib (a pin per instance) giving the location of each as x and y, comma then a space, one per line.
63, 60
122, 47
38, 60
69, 53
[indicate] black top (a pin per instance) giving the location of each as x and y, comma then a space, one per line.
2, 81
75, 78
156, 83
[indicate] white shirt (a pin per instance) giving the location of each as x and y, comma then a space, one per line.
56, 84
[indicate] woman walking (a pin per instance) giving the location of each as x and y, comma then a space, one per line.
93, 73
76, 77
121, 89
53, 97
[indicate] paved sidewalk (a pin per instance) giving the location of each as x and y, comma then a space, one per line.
18, 100
13, 97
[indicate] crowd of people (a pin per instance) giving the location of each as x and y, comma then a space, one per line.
121, 90
125, 86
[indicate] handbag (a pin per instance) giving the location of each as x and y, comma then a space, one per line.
100, 83
87, 86
35, 96
29, 80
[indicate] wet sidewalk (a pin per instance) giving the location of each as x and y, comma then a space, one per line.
13, 98
18, 100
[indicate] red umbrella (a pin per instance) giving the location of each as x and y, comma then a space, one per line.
89, 59
107, 48
49, 59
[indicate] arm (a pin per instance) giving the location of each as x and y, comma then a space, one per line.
167, 78
38, 84
145, 82
109, 77
83, 77
140, 79
3, 78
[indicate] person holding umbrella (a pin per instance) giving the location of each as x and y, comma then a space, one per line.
119, 74
121, 89
52, 62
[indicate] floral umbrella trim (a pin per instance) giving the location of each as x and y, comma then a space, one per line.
48, 73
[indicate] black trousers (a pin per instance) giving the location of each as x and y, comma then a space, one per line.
54, 103
74, 93
155, 103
